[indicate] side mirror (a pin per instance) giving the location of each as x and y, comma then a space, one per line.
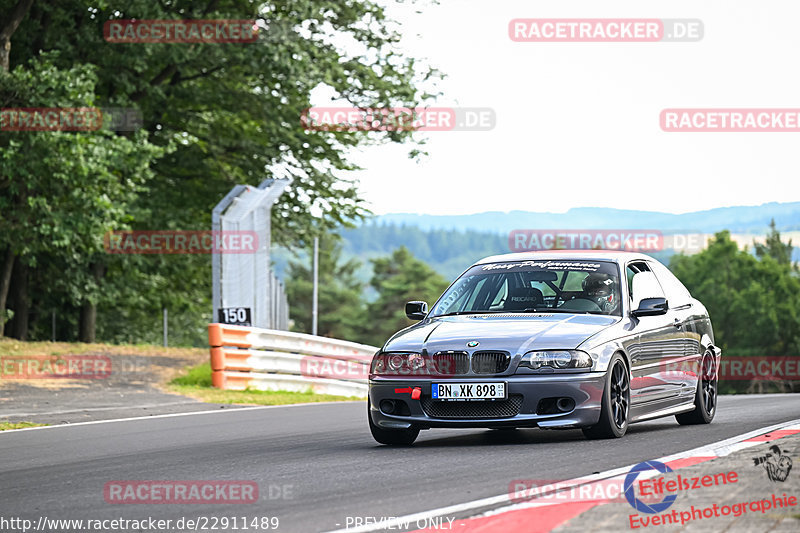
651, 307
416, 310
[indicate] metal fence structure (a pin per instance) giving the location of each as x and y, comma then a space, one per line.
244, 281
278, 310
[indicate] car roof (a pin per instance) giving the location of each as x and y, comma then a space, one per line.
574, 255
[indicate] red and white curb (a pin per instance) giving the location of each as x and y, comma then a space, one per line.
543, 516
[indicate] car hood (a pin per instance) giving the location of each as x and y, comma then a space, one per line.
512, 333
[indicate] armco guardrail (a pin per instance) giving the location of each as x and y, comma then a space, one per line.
265, 359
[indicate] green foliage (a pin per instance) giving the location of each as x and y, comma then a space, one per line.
754, 304
60, 192
341, 309
233, 110
345, 311
199, 376
398, 279
448, 252
775, 248
215, 115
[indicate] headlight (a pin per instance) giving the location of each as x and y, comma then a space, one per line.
558, 359
396, 362
400, 364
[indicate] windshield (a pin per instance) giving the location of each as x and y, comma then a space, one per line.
532, 286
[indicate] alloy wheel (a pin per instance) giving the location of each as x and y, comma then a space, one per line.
620, 394
709, 383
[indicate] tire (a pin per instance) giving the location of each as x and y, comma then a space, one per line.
615, 406
392, 437
705, 397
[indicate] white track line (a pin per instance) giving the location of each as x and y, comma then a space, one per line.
234, 409
716, 449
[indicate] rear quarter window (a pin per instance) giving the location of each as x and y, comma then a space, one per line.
676, 293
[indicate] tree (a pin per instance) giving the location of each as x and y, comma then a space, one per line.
341, 308
12, 15
61, 191
219, 114
233, 110
398, 279
775, 248
754, 304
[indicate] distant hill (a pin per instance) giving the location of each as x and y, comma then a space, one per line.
450, 243
741, 219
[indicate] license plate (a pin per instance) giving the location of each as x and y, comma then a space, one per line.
468, 391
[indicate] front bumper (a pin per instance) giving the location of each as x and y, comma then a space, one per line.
585, 389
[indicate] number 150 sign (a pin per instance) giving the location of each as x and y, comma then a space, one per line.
237, 316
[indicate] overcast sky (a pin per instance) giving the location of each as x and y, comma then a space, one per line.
578, 123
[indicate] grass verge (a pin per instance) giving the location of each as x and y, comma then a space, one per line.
196, 383
19, 425
13, 347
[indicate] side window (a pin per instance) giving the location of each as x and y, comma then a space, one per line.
642, 283
677, 294
631, 271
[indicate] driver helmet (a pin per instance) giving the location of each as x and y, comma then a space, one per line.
601, 289
598, 285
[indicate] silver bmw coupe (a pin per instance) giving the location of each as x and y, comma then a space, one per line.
557, 340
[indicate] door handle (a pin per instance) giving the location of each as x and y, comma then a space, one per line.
678, 324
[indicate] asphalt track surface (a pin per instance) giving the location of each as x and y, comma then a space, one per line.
325, 461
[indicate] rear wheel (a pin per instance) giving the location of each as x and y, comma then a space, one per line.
392, 437
615, 406
705, 398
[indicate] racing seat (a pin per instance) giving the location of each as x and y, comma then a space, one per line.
523, 298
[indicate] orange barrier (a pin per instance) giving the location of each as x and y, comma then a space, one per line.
230, 380
225, 335
254, 358
230, 359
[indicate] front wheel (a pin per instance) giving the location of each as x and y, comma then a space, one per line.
392, 437
615, 406
705, 398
